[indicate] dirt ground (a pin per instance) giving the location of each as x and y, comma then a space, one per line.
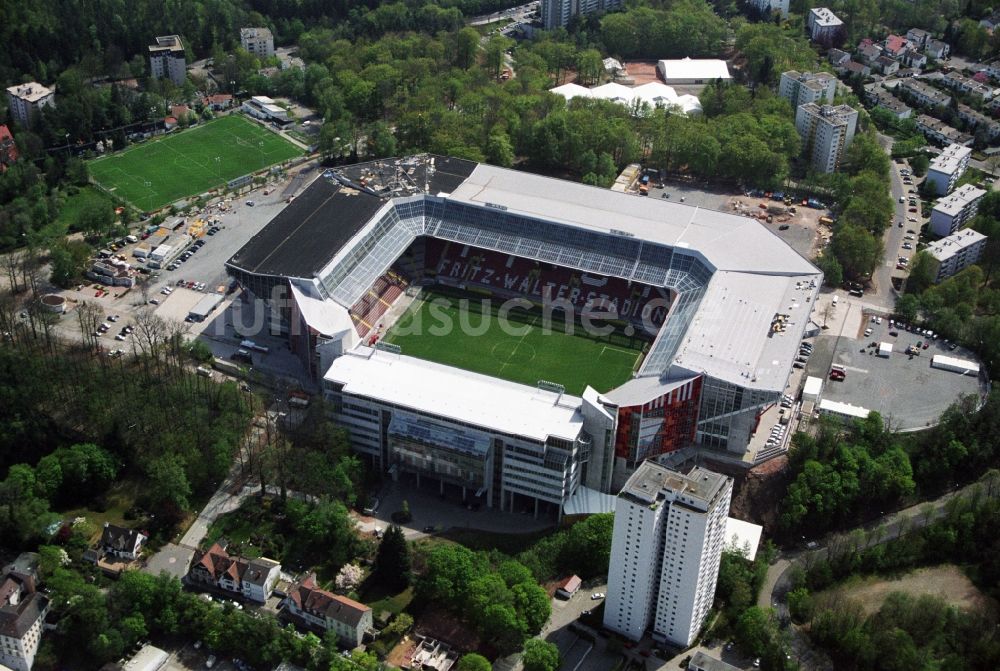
642, 72
946, 581
442, 626
399, 657
806, 217
757, 492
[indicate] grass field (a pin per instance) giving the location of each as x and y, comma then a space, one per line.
190, 162
77, 199
529, 355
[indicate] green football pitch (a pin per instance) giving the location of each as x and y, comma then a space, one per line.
186, 163
525, 351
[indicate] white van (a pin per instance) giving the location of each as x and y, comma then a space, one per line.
835, 299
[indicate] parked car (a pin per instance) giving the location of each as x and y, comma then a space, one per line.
596, 596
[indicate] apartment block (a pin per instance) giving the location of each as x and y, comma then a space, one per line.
824, 26
947, 168
22, 614
800, 88
666, 546
956, 210
876, 96
557, 13
826, 133
979, 121
956, 252
939, 131
924, 95
167, 59
25, 100
968, 86
258, 42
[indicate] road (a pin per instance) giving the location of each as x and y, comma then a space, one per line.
884, 296
777, 584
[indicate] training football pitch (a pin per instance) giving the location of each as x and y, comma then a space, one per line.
186, 163
525, 351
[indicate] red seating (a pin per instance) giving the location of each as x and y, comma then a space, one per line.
369, 308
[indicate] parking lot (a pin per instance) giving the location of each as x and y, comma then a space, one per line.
907, 392
801, 229
158, 292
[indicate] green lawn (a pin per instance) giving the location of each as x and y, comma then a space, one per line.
528, 355
75, 200
190, 162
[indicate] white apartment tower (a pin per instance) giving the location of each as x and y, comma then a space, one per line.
557, 13
665, 551
25, 100
824, 26
258, 42
954, 211
167, 59
947, 168
826, 133
800, 88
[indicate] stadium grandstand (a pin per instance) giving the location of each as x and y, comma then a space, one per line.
717, 303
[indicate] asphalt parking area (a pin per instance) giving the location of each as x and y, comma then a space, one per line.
905, 390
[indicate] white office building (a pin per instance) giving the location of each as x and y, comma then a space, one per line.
557, 13
956, 252
956, 210
665, 551
947, 168
826, 133
25, 100
824, 26
258, 42
800, 88
167, 59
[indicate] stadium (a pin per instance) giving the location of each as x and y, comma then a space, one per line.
700, 315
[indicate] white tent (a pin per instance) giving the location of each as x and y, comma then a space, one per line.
653, 94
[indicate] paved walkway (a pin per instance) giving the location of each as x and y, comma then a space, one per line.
778, 581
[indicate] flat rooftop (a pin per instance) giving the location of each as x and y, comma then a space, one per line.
947, 247
822, 16
951, 158
31, 92
651, 481
953, 204
444, 391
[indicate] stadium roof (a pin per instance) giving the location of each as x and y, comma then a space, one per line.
743, 295
654, 94
443, 391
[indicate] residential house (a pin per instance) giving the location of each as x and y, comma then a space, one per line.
870, 53
218, 102
349, 619
939, 131
22, 615
937, 49
967, 85
855, 68
838, 58
979, 121
895, 45
917, 37
924, 95
254, 579
121, 542
887, 65
180, 111
568, 587
8, 149
991, 21
26, 100
913, 59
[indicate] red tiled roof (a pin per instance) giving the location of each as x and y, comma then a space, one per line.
321, 603
895, 43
